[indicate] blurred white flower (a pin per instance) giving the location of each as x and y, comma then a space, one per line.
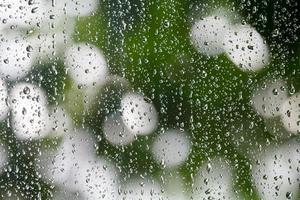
171, 148
291, 113
138, 114
86, 64
246, 48
267, 100
214, 181
30, 116
207, 34
116, 132
4, 109
15, 56
276, 174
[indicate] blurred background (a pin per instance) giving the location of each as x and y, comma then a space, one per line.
165, 99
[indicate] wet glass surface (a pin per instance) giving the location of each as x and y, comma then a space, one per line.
151, 100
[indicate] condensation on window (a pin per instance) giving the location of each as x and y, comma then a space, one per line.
149, 100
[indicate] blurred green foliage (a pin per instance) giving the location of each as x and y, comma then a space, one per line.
148, 43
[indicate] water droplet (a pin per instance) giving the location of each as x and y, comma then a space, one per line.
289, 195
26, 90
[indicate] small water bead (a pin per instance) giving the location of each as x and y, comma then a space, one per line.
6, 61
289, 195
29, 48
34, 10
292, 89
24, 111
26, 90
167, 24
275, 91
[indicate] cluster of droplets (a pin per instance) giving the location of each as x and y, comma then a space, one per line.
274, 167
275, 172
73, 165
86, 65
49, 28
244, 46
30, 116
214, 181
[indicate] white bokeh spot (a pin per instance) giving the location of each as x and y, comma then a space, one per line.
139, 115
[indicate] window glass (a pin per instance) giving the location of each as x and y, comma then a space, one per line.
149, 99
